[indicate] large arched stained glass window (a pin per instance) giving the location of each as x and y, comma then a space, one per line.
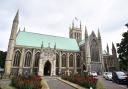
57, 60
16, 61
28, 58
94, 51
37, 57
63, 60
71, 61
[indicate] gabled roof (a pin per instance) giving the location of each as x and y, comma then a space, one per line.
35, 40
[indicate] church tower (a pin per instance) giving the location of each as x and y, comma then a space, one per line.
11, 44
75, 32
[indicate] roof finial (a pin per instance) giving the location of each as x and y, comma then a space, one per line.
49, 44
24, 29
55, 46
42, 45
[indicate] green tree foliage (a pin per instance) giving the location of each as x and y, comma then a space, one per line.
2, 58
123, 51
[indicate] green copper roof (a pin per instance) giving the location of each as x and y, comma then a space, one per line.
35, 40
82, 42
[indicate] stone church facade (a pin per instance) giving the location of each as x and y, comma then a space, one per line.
41, 54
111, 62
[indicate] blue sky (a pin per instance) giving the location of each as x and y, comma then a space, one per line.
55, 16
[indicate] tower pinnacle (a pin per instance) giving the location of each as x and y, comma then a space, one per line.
72, 24
86, 33
99, 36
80, 26
107, 49
113, 47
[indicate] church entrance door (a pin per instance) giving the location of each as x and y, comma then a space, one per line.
47, 68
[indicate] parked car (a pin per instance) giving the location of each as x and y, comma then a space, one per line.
108, 76
119, 77
127, 81
93, 73
104, 74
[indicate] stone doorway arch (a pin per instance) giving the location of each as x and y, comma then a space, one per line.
47, 69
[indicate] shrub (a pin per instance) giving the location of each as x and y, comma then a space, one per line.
85, 81
30, 82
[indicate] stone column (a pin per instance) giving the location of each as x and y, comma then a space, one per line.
67, 63
32, 60
21, 61
60, 62
75, 67
53, 69
41, 63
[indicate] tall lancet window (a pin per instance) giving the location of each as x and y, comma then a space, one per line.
16, 61
63, 60
37, 57
94, 51
78, 61
57, 60
71, 61
28, 58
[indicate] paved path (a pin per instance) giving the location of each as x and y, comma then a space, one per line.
110, 85
4, 81
5, 84
54, 83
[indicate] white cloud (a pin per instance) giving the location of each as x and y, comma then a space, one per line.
55, 16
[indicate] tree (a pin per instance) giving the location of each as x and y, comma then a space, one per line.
122, 50
2, 58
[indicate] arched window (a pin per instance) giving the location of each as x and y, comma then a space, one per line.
28, 58
57, 60
16, 61
37, 57
71, 61
78, 61
94, 51
63, 60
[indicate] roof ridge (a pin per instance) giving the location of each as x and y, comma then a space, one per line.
47, 35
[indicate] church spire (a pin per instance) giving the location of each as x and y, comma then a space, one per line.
16, 19
86, 33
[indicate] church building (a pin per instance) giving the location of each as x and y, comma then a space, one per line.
42, 54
